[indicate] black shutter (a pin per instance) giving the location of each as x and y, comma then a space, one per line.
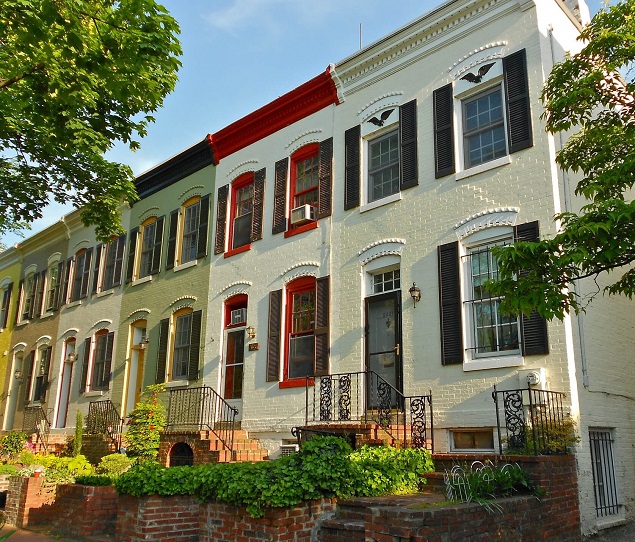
6, 303
132, 249
352, 169
325, 176
86, 273
162, 357
535, 340
67, 280
322, 326
34, 283
96, 269
195, 345
121, 244
29, 364
258, 205
443, 105
46, 353
221, 219
18, 309
450, 304
59, 286
280, 196
105, 381
517, 101
273, 336
408, 145
203, 223
174, 222
85, 363
158, 245
38, 301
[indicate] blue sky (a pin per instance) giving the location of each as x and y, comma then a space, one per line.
239, 55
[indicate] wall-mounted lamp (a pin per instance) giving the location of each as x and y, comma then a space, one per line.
71, 358
143, 342
251, 332
415, 293
18, 374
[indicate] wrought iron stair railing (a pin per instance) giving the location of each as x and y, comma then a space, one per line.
365, 397
202, 408
36, 421
532, 420
104, 419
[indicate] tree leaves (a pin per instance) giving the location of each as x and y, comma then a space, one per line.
586, 91
76, 76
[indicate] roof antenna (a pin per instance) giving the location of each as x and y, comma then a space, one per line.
360, 35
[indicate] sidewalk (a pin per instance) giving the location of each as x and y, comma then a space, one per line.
41, 535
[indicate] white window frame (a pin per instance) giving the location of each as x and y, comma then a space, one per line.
453, 448
471, 360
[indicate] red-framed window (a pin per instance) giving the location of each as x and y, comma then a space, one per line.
234, 359
241, 211
300, 329
304, 185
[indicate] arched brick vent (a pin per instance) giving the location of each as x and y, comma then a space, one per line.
181, 454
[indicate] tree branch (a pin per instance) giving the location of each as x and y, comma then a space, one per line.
5, 83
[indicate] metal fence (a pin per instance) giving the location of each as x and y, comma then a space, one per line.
202, 409
104, 419
36, 421
531, 421
365, 397
603, 467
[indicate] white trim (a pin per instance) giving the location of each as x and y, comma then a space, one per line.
147, 278
481, 168
380, 202
497, 362
186, 265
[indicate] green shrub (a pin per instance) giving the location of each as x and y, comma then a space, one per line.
11, 470
552, 438
79, 434
325, 467
96, 480
12, 445
147, 419
114, 464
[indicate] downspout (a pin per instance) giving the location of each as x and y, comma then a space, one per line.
567, 208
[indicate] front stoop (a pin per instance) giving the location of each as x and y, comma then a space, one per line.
208, 448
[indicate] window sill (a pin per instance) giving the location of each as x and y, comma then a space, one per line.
380, 202
142, 280
185, 265
301, 229
105, 293
496, 362
295, 383
238, 250
177, 384
22, 323
94, 393
46, 315
487, 166
73, 304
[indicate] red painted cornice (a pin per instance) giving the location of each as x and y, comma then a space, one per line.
301, 102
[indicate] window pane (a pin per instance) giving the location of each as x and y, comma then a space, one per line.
182, 336
386, 282
52, 287
190, 232
147, 249
383, 166
306, 174
483, 128
301, 356
303, 316
242, 230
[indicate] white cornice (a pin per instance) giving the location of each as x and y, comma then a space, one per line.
382, 242
500, 216
240, 283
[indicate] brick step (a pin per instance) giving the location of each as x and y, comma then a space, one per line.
351, 510
347, 529
434, 481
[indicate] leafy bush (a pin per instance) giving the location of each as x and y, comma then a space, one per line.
114, 464
95, 480
12, 445
58, 470
79, 434
147, 419
325, 467
11, 470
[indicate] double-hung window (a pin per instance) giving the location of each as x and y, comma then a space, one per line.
241, 203
298, 339
303, 188
81, 274
110, 259
97, 361
5, 292
187, 239
474, 332
145, 247
179, 346
52, 286
148, 244
486, 112
380, 156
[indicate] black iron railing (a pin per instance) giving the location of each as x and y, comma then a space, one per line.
533, 421
36, 421
104, 419
202, 409
365, 397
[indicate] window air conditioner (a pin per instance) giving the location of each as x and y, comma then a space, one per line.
289, 449
238, 316
303, 214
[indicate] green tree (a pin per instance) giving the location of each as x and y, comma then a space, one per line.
592, 92
77, 76
147, 420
